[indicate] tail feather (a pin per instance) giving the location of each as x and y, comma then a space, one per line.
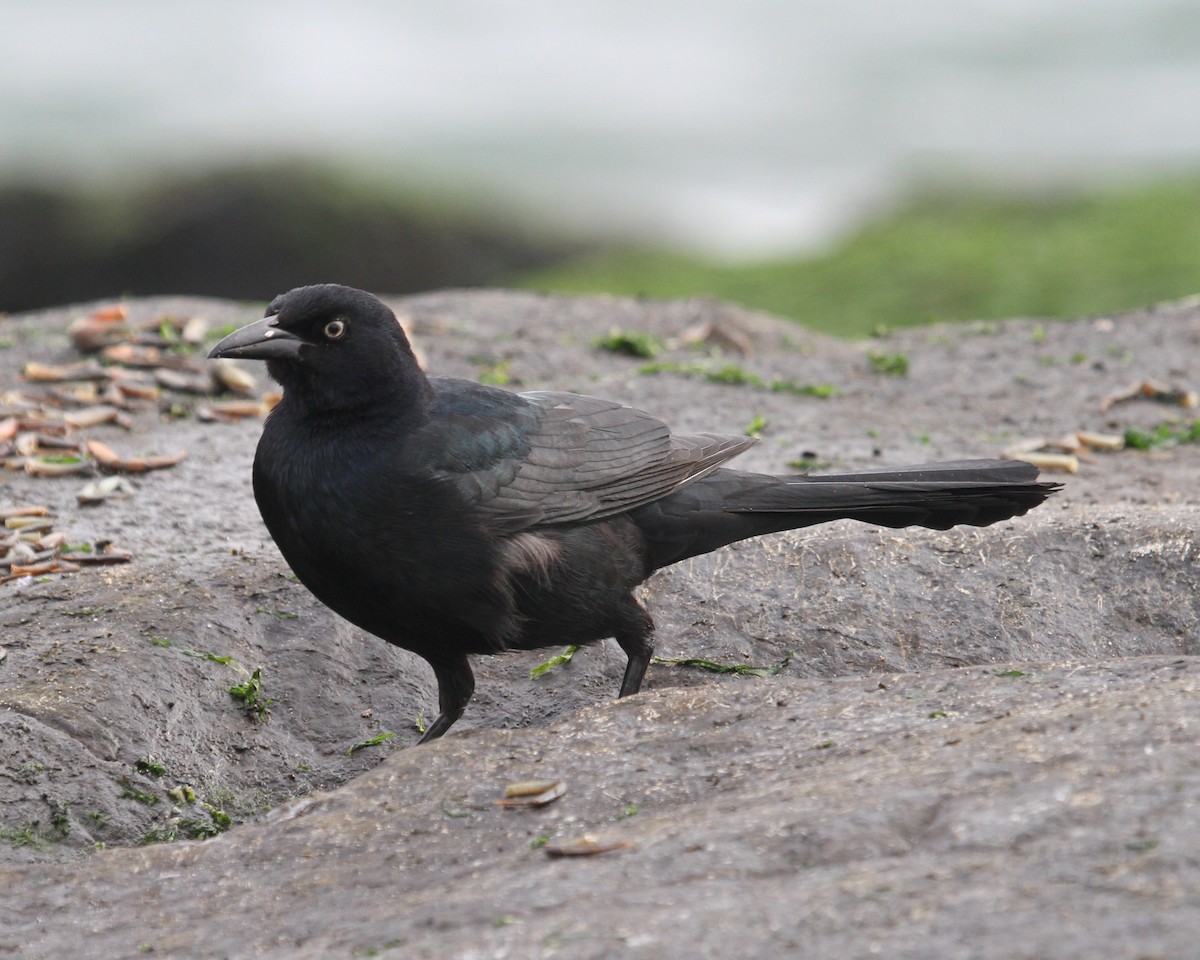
730, 505
965, 471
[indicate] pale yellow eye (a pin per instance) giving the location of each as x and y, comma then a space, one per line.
335, 329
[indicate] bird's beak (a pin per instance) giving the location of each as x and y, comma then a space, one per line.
260, 341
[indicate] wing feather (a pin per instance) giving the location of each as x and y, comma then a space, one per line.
544, 458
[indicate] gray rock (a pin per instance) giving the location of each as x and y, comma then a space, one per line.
980, 743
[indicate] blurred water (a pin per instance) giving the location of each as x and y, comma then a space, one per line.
740, 128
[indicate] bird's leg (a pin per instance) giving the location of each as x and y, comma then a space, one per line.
635, 636
456, 683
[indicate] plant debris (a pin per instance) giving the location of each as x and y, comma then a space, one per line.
98, 491
584, 846
1065, 453
712, 666
724, 336
888, 364
109, 327
532, 793
49, 453
372, 742
36, 372
732, 375
231, 377
95, 415
249, 694
31, 547
108, 459
630, 343
231, 411
1166, 434
130, 366
1153, 390
556, 661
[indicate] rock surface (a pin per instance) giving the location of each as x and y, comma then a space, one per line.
979, 743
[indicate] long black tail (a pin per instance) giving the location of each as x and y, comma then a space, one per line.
729, 505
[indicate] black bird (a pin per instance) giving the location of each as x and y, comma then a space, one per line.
452, 518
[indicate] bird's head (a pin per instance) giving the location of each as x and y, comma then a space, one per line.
330, 347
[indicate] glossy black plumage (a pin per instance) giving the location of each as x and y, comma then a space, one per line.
452, 518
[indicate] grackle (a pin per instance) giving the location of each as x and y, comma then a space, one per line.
452, 518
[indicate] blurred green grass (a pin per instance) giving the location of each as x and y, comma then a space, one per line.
944, 255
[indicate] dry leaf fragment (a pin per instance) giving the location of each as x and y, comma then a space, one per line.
26, 444
90, 334
1152, 390
39, 467
51, 541
107, 554
532, 793
230, 411
160, 462
193, 330
102, 453
25, 510
115, 311
1064, 462
41, 426
1014, 450
1101, 441
27, 521
584, 846
723, 335
91, 416
132, 355
100, 490
232, 377
1063, 454
109, 459
55, 373
39, 569
185, 381
137, 391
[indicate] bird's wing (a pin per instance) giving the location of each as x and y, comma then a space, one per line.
541, 458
